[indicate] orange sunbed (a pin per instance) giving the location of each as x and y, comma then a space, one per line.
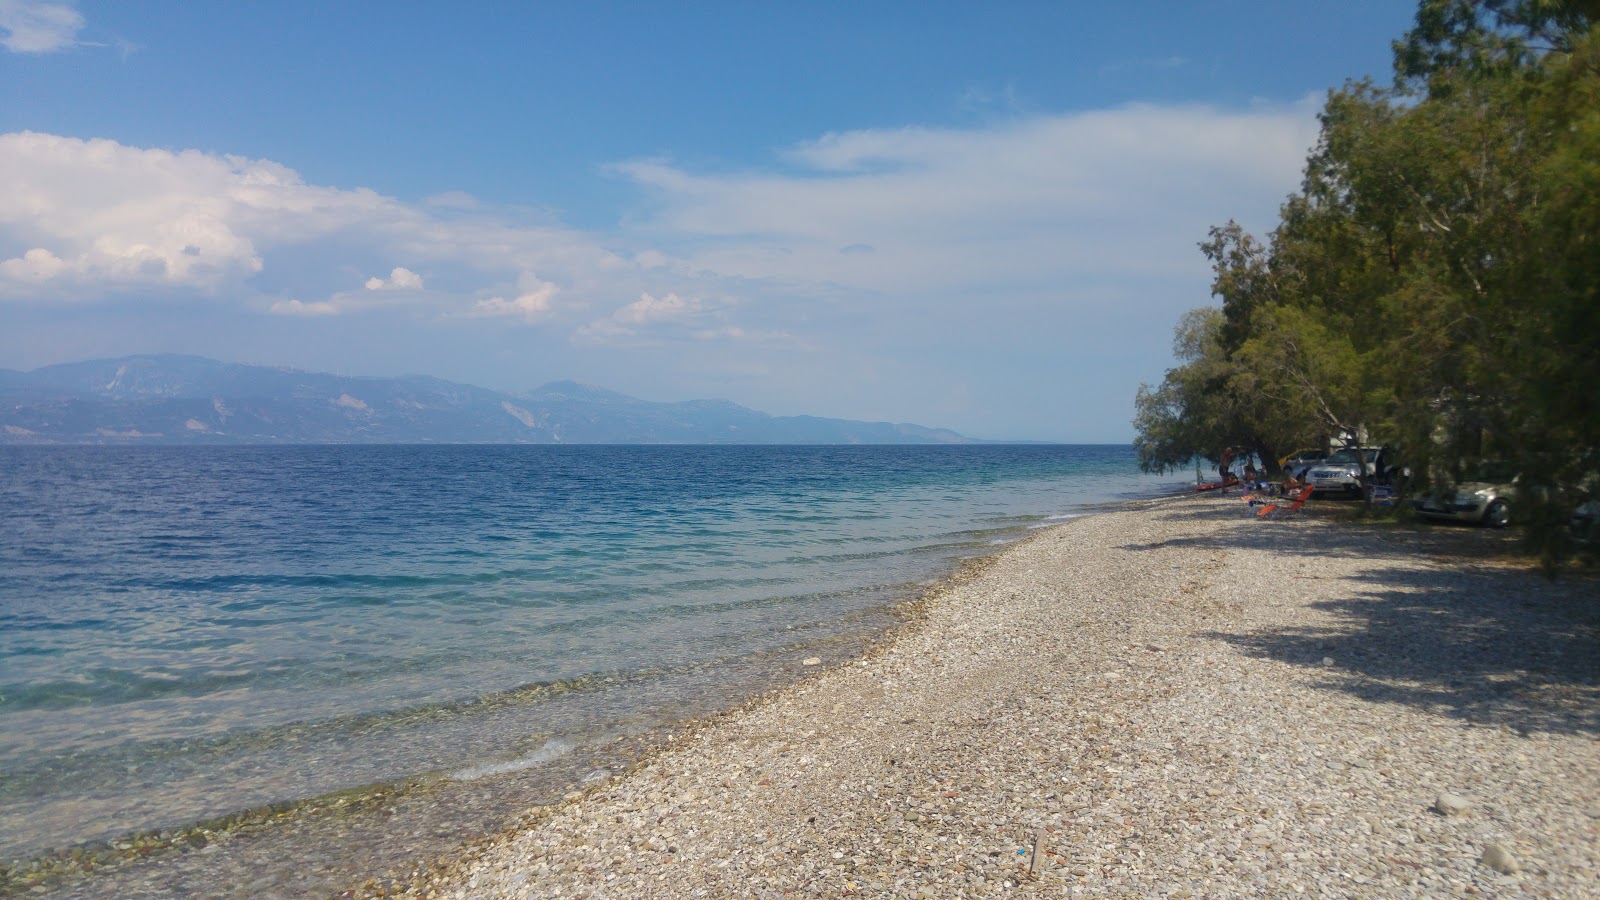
1299, 501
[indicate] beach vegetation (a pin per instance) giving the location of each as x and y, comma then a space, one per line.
1433, 283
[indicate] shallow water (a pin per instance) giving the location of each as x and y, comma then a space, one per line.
186, 632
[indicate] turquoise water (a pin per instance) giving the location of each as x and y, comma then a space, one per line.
185, 632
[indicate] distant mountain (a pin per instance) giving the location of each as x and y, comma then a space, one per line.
191, 400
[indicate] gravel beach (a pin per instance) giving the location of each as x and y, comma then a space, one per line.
1178, 699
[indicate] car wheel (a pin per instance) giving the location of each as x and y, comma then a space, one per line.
1498, 515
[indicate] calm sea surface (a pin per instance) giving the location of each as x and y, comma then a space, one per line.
186, 632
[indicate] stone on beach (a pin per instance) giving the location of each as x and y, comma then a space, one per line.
1498, 858
1451, 805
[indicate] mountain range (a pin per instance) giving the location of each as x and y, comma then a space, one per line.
169, 399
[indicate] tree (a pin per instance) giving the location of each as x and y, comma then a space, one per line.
1434, 280
1189, 414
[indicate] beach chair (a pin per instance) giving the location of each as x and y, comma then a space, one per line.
1299, 501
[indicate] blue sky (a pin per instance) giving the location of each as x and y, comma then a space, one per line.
977, 216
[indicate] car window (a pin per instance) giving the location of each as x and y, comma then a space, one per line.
1342, 456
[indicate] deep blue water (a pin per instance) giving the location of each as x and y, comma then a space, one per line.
189, 631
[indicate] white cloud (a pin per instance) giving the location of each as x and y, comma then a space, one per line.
400, 279
36, 265
672, 318
1039, 200
95, 219
912, 214
648, 309
301, 308
533, 302
38, 26
641, 314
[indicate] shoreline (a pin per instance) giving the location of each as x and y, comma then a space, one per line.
1173, 698
458, 807
184, 858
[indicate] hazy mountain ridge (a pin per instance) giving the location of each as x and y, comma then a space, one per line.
171, 399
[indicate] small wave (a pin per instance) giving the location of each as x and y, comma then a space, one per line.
551, 750
1052, 521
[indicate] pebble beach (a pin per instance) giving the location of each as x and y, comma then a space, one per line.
1175, 699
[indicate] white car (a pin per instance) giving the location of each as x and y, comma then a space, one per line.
1341, 472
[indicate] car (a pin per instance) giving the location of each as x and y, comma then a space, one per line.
1295, 464
1484, 498
1341, 471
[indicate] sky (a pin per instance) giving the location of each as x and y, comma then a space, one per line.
979, 216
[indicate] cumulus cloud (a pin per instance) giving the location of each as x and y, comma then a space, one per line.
96, 219
642, 313
97, 213
37, 265
533, 302
648, 309
400, 279
38, 26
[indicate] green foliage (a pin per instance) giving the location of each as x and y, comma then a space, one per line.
1434, 281
1188, 414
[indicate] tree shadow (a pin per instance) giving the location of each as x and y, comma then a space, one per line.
1486, 646
1317, 532
1481, 635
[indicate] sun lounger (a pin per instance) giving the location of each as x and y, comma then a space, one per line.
1299, 501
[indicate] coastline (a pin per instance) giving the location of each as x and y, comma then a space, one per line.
1174, 698
380, 833
321, 844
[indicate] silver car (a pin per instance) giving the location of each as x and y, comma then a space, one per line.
1341, 472
1486, 499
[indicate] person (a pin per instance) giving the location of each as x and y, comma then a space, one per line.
1227, 460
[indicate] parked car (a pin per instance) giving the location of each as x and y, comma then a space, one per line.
1341, 472
1484, 498
1297, 463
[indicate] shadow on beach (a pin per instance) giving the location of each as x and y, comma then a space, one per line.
1480, 636
1349, 536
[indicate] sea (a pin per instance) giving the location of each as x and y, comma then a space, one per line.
190, 632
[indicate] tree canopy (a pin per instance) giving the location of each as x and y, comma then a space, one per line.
1433, 282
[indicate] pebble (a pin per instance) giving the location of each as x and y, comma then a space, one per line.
1498, 858
1448, 804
